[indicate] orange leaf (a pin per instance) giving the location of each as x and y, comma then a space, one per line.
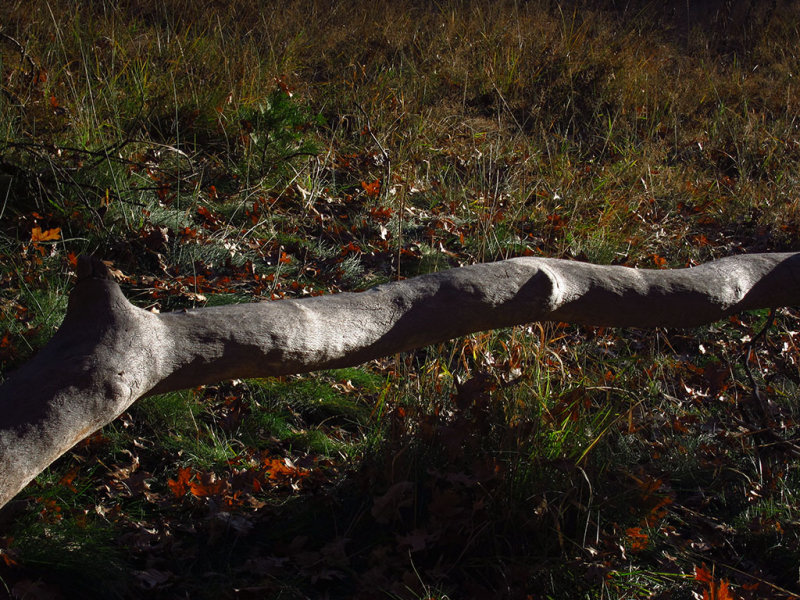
285, 258
73, 259
372, 189
53, 102
69, 477
723, 593
638, 539
208, 486
276, 467
37, 235
50, 509
179, 485
750, 587
716, 590
702, 574
207, 215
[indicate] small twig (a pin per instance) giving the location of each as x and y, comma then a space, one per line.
774, 438
40, 151
101, 154
507, 107
34, 69
387, 161
387, 183
22, 52
372, 135
748, 355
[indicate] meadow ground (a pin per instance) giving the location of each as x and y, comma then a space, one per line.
218, 152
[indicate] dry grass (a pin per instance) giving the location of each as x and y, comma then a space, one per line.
541, 462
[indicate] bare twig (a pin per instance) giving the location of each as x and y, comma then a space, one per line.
757, 395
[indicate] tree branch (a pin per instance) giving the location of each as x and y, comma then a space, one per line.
108, 353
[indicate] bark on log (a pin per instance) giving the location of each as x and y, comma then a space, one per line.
108, 353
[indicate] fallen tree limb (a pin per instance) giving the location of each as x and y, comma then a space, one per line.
108, 353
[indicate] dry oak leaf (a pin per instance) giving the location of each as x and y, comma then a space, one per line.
37, 235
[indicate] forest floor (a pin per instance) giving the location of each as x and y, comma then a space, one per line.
217, 152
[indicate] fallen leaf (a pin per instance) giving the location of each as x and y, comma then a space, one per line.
35, 590
372, 189
69, 477
702, 574
637, 538
152, 578
207, 485
37, 235
179, 485
385, 507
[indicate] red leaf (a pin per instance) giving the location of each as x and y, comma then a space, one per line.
50, 511
7, 349
284, 88
351, 247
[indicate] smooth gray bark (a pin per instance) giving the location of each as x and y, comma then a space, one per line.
108, 353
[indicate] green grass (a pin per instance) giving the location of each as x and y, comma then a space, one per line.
250, 154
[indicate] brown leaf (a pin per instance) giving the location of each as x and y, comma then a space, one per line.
35, 590
385, 508
416, 540
152, 578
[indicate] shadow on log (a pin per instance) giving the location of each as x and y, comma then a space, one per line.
108, 353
